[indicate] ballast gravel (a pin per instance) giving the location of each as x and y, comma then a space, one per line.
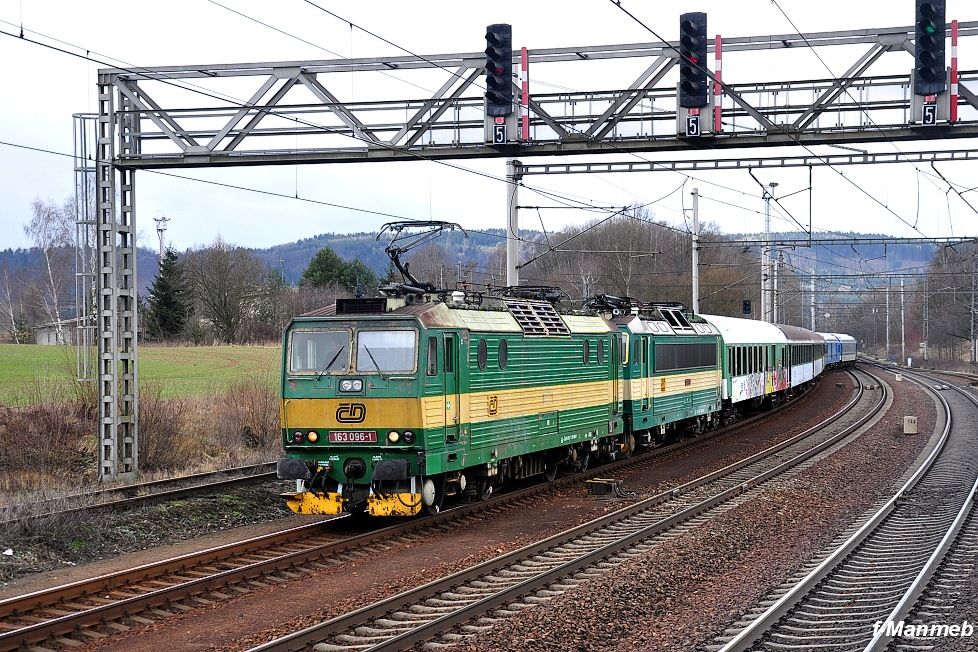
683, 593
266, 613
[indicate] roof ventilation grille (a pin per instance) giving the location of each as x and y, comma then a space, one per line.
537, 318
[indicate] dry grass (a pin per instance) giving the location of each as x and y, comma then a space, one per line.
48, 445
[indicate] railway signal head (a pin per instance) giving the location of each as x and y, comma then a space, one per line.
693, 84
499, 70
929, 72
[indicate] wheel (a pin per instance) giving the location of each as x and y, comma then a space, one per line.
550, 471
584, 462
433, 494
628, 446
485, 489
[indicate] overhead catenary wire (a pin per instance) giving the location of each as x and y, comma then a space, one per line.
782, 129
137, 70
845, 89
308, 42
453, 73
271, 193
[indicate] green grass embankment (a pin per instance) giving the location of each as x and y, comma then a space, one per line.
29, 370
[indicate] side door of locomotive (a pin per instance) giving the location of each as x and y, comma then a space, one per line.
646, 370
451, 359
614, 356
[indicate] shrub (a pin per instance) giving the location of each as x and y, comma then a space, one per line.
166, 441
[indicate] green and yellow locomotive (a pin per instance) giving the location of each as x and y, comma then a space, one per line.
392, 403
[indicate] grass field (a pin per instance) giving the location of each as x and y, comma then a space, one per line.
28, 369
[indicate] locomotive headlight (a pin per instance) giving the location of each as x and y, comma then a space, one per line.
393, 436
351, 385
408, 436
312, 437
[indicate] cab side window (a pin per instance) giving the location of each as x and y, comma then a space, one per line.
432, 369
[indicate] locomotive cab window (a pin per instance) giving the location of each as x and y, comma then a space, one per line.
432, 369
449, 354
386, 351
319, 351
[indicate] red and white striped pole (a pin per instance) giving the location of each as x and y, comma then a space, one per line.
953, 113
718, 71
525, 94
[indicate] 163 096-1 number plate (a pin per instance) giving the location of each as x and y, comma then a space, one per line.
353, 437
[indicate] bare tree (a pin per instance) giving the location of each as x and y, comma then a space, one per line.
50, 229
8, 303
227, 285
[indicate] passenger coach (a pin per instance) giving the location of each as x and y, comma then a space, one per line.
840, 349
755, 363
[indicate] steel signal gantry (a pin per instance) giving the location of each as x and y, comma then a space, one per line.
181, 117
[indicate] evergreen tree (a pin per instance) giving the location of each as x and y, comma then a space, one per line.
327, 268
357, 277
390, 275
168, 303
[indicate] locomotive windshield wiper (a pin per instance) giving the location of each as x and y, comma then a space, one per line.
372, 359
330, 363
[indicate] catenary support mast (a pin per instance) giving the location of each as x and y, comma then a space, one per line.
512, 222
696, 250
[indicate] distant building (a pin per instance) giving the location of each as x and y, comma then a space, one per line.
48, 333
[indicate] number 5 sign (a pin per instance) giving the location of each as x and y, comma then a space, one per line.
928, 114
499, 134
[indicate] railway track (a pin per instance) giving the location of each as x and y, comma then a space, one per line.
142, 493
878, 573
462, 606
137, 595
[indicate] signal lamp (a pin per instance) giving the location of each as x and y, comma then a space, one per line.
312, 437
408, 436
393, 436
929, 70
692, 60
297, 436
499, 70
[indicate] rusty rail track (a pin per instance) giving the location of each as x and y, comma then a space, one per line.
74, 608
417, 615
145, 493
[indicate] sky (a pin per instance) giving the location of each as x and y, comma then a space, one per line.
44, 88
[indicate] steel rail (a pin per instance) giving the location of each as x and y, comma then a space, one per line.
133, 493
883, 638
127, 578
302, 639
752, 633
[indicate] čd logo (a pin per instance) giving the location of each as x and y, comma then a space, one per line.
351, 413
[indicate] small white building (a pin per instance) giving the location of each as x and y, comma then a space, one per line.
48, 333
